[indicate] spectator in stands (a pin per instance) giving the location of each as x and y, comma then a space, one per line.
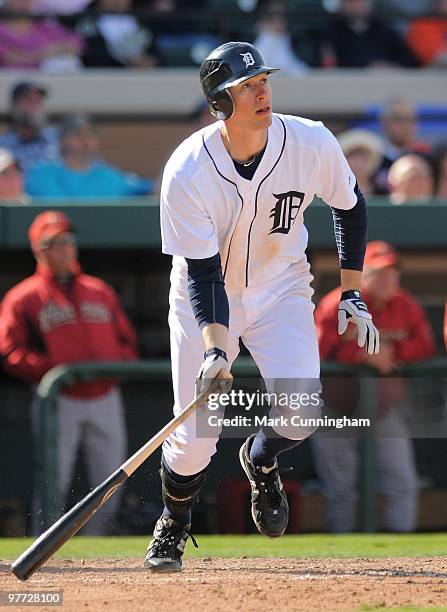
115, 38
405, 337
364, 151
56, 7
80, 173
427, 36
60, 315
29, 138
411, 180
399, 123
37, 44
439, 162
11, 180
274, 40
359, 39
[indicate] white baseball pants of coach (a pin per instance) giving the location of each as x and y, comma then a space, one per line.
276, 325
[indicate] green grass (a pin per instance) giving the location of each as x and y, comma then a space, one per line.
309, 546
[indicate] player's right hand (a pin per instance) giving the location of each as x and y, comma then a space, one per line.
215, 365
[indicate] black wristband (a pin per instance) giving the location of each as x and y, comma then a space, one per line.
215, 351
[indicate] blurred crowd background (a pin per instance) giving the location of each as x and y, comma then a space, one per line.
76, 37
78, 34
94, 96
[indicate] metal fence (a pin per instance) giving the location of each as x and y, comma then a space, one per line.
159, 370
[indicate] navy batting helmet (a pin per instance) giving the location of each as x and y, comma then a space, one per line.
228, 65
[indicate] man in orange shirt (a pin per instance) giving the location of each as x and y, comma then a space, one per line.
406, 337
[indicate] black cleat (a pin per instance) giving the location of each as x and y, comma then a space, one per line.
165, 550
269, 506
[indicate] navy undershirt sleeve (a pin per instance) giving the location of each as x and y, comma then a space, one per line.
206, 289
350, 228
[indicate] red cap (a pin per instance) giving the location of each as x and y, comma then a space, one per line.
380, 254
46, 226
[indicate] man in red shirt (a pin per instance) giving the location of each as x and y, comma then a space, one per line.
58, 316
406, 337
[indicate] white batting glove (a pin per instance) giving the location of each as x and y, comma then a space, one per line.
215, 365
352, 309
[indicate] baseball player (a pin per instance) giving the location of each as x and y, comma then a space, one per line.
232, 202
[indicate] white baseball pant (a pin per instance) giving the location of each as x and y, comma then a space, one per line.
277, 327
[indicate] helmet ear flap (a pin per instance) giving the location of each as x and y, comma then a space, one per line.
222, 106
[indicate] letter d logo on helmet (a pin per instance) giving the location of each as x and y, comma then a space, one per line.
228, 65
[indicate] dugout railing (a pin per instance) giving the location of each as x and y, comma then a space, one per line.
159, 370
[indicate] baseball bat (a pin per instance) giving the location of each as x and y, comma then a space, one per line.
71, 522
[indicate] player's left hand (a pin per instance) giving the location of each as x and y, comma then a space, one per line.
215, 365
352, 309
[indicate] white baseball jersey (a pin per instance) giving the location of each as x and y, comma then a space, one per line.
257, 226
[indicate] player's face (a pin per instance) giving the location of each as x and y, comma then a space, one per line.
253, 102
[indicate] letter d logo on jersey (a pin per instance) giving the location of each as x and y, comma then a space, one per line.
248, 59
285, 211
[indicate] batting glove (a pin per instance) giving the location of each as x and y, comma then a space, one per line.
215, 365
353, 309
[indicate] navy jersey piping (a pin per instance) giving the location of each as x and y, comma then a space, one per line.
256, 200
237, 191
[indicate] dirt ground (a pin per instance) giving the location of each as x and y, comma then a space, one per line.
244, 584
